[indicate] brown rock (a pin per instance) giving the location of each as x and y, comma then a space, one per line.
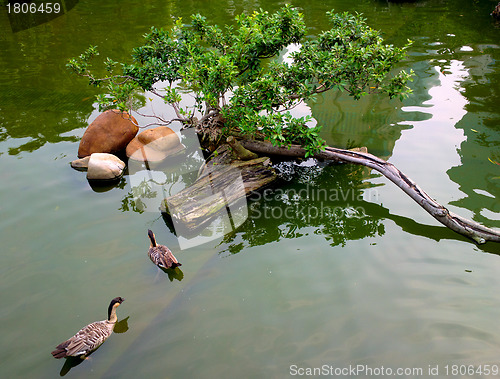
110, 132
154, 145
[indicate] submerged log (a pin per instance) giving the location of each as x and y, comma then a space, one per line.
221, 182
471, 229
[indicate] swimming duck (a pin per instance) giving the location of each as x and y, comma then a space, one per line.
89, 337
160, 254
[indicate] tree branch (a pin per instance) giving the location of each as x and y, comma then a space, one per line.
212, 113
161, 120
471, 229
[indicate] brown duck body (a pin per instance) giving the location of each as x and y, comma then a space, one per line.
90, 337
85, 341
161, 255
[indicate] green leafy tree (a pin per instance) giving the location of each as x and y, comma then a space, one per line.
239, 84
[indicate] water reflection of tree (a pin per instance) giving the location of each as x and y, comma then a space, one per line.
478, 176
329, 200
350, 182
372, 122
176, 173
40, 102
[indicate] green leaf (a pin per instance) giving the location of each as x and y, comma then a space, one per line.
235, 72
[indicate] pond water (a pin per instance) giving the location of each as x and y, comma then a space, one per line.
375, 284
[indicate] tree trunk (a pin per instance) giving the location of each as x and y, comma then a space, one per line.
471, 229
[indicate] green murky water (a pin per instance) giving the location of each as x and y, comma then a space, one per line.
305, 281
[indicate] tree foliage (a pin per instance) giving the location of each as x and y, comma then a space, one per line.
238, 79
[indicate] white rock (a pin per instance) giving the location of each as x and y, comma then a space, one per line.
104, 166
81, 163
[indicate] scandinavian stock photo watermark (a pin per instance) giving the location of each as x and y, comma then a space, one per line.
152, 188
310, 202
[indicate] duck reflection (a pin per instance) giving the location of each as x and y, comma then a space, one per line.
121, 326
173, 273
69, 364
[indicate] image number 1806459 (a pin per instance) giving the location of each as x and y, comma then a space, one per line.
25, 15
33, 7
